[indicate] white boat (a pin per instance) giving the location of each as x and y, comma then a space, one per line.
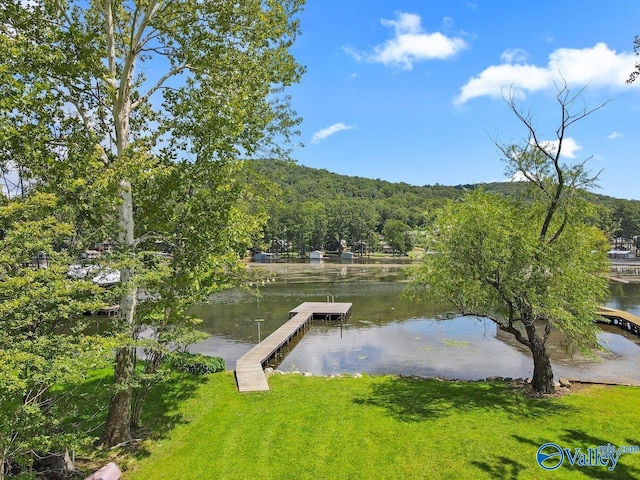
99, 275
107, 277
82, 271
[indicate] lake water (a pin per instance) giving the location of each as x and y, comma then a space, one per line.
389, 334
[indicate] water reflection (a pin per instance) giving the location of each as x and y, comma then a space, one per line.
388, 334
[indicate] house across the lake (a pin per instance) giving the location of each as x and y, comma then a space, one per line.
264, 257
316, 255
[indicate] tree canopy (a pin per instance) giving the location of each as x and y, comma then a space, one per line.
136, 117
528, 265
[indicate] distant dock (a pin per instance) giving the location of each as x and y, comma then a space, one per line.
110, 310
249, 368
623, 319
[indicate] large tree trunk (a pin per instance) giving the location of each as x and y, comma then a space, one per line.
138, 400
154, 359
542, 381
117, 427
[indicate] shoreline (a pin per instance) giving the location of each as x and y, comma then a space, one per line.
561, 384
617, 269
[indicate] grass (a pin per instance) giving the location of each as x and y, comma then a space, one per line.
375, 427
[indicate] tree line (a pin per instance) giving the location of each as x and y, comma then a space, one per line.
316, 209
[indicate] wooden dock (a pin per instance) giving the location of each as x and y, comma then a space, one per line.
249, 368
623, 319
110, 310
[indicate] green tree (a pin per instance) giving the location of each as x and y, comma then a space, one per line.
362, 219
203, 256
529, 265
338, 221
315, 219
352, 220
185, 79
43, 339
395, 233
627, 215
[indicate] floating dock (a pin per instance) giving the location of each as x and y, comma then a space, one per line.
249, 368
623, 319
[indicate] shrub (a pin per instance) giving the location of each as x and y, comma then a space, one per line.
196, 363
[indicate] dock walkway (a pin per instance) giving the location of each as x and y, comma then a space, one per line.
249, 368
626, 320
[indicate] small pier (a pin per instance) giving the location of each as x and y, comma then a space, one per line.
249, 368
110, 310
623, 319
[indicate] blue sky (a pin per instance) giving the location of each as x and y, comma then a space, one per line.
411, 90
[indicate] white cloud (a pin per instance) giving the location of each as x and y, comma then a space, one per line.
570, 147
327, 132
514, 55
411, 44
518, 177
547, 37
447, 23
569, 150
614, 135
598, 66
352, 53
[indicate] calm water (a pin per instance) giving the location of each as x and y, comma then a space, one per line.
389, 334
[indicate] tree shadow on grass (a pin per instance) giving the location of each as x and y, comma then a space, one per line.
502, 467
160, 413
415, 399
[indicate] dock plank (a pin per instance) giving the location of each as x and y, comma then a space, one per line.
251, 378
250, 375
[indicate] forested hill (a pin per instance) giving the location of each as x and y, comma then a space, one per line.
303, 184
303, 187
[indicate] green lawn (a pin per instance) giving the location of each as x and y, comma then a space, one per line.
376, 427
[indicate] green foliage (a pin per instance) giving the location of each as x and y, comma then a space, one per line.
530, 264
490, 262
196, 363
43, 333
136, 116
396, 234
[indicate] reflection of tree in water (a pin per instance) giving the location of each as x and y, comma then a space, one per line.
625, 297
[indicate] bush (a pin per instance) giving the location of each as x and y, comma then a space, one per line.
196, 363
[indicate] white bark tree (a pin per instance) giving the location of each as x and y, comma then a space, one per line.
142, 80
